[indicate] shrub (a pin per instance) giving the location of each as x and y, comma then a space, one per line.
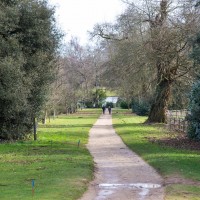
141, 107
124, 105
89, 104
194, 116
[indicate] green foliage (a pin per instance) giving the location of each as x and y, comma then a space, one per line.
98, 96
141, 107
101, 94
196, 49
28, 43
194, 107
194, 104
123, 105
89, 104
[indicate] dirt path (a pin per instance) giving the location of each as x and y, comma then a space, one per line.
120, 173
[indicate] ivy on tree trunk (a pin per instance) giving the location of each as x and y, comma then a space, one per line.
159, 106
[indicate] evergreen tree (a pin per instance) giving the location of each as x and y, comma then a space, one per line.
194, 105
28, 44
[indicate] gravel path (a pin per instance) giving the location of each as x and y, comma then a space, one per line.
120, 174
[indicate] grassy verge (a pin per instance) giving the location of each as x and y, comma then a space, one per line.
59, 162
179, 167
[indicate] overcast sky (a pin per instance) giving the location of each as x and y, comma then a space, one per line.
76, 17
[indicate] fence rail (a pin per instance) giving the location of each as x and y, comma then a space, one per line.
176, 120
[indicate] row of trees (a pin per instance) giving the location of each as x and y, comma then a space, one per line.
150, 48
145, 56
29, 41
79, 82
150, 55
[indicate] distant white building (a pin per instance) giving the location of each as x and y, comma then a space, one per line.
111, 99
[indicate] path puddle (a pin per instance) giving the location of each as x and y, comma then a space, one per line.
108, 189
130, 185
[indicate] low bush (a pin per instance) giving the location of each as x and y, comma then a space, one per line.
194, 107
141, 107
124, 105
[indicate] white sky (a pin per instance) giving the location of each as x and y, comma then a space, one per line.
76, 17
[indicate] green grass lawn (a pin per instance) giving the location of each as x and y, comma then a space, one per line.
61, 169
168, 161
59, 166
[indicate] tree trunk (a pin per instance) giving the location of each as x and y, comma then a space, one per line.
54, 113
45, 117
159, 107
161, 98
35, 129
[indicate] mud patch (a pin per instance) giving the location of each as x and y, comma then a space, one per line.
180, 180
178, 141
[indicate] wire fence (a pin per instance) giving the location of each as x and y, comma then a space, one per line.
176, 120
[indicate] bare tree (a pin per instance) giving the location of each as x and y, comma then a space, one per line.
163, 29
78, 77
